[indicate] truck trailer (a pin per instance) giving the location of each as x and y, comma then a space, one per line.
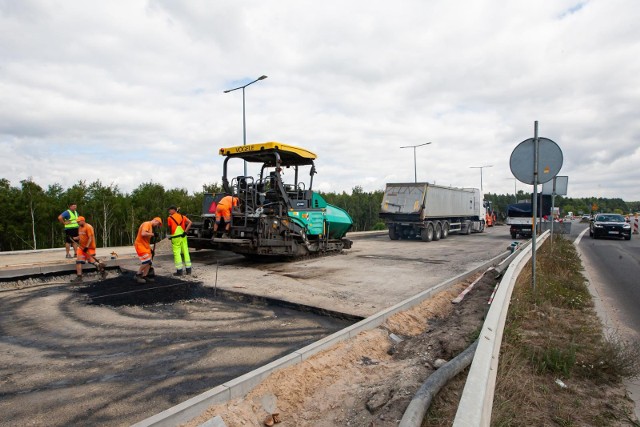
430, 212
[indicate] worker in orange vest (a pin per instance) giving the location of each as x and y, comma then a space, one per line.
143, 249
223, 212
179, 225
86, 251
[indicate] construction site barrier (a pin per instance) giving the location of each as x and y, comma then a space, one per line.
476, 402
558, 227
634, 223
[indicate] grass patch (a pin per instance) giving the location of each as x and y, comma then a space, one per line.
554, 337
556, 366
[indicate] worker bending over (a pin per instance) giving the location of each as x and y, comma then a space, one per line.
86, 251
143, 248
223, 212
179, 225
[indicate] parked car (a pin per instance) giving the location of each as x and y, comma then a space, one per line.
609, 225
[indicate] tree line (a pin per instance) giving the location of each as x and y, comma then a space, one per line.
32, 219
579, 206
31, 211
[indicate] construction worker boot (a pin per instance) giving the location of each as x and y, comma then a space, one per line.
140, 279
101, 271
188, 271
77, 279
178, 273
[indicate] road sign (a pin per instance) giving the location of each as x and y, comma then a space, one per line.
549, 160
561, 183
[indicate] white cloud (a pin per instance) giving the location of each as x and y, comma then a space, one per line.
129, 92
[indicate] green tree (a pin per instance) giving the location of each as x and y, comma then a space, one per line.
55, 232
147, 202
32, 196
103, 211
10, 224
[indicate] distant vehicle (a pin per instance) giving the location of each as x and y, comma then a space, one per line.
587, 217
609, 225
519, 219
430, 212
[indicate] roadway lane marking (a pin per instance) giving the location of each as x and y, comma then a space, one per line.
577, 241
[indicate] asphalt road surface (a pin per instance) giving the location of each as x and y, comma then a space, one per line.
615, 268
106, 354
109, 354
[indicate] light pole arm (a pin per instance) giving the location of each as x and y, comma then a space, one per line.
415, 166
244, 120
242, 87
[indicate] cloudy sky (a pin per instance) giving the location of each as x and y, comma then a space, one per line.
132, 91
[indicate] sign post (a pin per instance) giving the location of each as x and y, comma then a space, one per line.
556, 187
546, 158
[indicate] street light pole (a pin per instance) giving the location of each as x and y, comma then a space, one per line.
415, 166
481, 167
244, 120
515, 188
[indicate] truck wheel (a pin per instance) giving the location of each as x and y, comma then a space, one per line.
392, 233
445, 229
437, 232
427, 233
467, 227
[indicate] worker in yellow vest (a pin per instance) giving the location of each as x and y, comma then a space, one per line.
179, 225
69, 219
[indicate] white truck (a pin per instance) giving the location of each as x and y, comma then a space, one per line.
431, 212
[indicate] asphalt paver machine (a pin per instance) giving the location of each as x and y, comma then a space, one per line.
278, 213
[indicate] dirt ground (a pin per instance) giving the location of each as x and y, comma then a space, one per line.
370, 379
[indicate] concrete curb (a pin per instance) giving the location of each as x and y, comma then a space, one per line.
476, 402
367, 233
61, 267
51, 269
243, 384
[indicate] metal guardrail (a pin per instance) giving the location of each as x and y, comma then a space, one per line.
477, 397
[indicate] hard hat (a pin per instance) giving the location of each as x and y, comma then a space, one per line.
80, 218
158, 219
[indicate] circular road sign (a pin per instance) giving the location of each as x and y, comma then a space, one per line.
549, 160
